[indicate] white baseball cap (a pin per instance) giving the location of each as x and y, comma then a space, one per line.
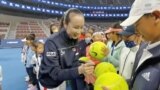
139, 8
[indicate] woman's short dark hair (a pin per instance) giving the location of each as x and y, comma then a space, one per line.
66, 19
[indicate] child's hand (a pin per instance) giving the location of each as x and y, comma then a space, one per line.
86, 69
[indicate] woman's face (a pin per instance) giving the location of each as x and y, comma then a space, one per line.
112, 36
75, 26
88, 35
40, 48
54, 29
129, 38
29, 42
91, 31
98, 37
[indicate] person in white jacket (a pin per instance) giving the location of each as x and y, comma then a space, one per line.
1, 78
128, 53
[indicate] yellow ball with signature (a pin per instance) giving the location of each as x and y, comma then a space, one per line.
112, 81
98, 50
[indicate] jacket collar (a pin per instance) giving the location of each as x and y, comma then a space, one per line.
155, 51
119, 45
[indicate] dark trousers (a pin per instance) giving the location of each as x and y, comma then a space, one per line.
32, 76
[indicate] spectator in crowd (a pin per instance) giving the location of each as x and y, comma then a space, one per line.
146, 18
84, 43
128, 53
36, 60
91, 30
115, 45
53, 29
98, 36
29, 66
23, 55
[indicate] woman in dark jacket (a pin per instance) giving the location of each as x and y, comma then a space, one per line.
61, 54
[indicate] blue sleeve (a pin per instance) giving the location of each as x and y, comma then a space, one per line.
50, 64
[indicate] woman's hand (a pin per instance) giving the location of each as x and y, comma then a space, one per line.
86, 69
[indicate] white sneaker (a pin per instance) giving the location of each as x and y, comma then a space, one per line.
27, 78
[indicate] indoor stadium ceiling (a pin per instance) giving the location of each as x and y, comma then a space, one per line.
91, 2
58, 7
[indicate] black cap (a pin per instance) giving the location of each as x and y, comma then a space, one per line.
130, 30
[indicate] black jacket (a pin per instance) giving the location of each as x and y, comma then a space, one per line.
60, 62
82, 47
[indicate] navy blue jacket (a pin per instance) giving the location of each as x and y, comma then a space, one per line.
60, 62
147, 75
82, 47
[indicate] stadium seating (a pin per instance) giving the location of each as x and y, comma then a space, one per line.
24, 28
4, 27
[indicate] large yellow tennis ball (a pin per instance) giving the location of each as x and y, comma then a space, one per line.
112, 81
98, 50
84, 59
104, 67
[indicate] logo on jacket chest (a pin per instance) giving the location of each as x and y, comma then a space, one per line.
76, 51
51, 54
146, 76
62, 52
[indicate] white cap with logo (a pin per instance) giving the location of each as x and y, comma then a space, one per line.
139, 8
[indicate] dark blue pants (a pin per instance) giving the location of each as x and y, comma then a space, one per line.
32, 76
